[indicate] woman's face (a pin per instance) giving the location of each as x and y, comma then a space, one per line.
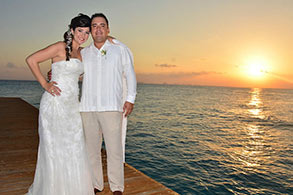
80, 34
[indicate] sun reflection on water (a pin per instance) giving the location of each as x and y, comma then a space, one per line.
255, 150
255, 104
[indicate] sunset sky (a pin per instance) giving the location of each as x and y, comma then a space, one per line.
195, 42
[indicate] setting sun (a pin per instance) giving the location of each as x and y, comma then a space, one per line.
256, 67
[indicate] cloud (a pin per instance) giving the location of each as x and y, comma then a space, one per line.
187, 74
283, 77
166, 65
11, 65
176, 77
180, 74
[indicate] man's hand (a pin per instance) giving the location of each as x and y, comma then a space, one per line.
110, 38
127, 108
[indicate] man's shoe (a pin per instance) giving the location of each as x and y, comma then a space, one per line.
117, 193
96, 190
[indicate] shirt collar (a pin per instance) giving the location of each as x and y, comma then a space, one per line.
104, 47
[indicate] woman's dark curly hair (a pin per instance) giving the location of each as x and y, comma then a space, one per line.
81, 20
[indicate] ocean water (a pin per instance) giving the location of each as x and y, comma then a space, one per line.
205, 140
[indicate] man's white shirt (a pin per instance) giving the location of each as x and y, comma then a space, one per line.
105, 73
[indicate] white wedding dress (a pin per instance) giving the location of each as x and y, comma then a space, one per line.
62, 165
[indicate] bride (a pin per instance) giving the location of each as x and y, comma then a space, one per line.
62, 165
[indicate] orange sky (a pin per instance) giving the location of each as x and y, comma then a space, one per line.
194, 42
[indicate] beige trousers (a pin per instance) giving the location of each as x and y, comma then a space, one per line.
107, 125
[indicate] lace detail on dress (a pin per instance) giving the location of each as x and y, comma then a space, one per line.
62, 165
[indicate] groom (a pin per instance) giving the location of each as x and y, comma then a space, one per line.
102, 107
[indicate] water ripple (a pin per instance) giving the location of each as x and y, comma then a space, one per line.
205, 140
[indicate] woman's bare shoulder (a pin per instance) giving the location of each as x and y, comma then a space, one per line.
59, 45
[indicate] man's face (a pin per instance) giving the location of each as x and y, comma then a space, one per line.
100, 30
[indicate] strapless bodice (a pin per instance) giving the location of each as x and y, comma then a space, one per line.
66, 75
67, 69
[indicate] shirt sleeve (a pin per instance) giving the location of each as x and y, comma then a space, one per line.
129, 74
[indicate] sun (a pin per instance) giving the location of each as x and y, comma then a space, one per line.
256, 67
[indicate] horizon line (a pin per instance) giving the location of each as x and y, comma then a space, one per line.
172, 84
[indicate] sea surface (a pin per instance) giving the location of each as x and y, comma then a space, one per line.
205, 140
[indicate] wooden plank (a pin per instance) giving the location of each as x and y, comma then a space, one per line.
18, 153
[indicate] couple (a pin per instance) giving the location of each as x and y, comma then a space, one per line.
69, 154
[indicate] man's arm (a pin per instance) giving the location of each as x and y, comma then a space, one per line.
128, 69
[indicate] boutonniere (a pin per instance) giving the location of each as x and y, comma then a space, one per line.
104, 52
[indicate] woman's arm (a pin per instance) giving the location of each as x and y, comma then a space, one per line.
53, 52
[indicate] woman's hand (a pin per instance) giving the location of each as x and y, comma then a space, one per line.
52, 88
81, 77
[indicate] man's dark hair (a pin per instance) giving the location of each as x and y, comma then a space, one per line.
100, 15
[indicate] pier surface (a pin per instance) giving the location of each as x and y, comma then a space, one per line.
18, 154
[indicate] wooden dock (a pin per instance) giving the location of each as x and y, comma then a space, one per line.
18, 154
